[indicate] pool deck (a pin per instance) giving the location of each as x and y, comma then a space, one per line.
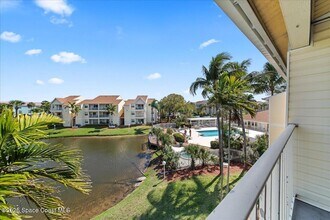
196, 138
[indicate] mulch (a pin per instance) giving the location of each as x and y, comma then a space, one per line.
207, 170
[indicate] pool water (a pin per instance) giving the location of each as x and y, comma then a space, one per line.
185, 155
208, 133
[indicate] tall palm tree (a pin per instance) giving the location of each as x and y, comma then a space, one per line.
23, 170
111, 109
74, 110
17, 104
31, 105
154, 105
209, 84
267, 81
45, 106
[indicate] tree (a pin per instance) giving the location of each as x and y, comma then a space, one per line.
261, 144
74, 110
111, 109
193, 151
204, 155
171, 157
154, 105
31, 105
45, 106
157, 132
267, 81
172, 105
17, 105
22, 171
209, 84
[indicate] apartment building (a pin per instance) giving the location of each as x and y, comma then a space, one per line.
139, 111
205, 107
94, 111
58, 107
259, 122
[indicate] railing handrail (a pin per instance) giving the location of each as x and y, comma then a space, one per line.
245, 194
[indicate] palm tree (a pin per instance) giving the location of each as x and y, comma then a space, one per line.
154, 105
31, 105
204, 155
267, 81
193, 150
17, 105
4, 106
157, 132
209, 84
45, 106
74, 110
22, 171
111, 109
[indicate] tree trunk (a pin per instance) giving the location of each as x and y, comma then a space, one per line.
220, 147
16, 112
244, 140
228, 147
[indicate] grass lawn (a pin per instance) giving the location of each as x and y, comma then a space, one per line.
193, 198
97, 131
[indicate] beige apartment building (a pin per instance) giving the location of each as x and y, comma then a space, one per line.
94, 111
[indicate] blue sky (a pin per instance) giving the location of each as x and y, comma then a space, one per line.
91, 47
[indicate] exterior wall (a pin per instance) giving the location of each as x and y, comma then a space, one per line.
309, 107
277, 116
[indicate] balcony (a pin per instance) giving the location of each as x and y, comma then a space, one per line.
93, 116
266, 190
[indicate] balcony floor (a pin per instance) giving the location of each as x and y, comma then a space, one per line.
304, 211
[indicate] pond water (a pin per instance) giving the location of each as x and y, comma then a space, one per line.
113, 164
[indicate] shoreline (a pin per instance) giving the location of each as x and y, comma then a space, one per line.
102, 135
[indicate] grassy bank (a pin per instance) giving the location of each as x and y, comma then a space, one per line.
97, 131
193, 198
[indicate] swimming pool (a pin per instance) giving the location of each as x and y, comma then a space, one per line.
208, 133
185, 155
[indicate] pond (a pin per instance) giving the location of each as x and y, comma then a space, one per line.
113, 164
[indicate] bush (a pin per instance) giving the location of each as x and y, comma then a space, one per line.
169, 131
214, 145
178, 137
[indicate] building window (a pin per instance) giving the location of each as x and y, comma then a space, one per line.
133, 121
132, 106
86, 121
133, 113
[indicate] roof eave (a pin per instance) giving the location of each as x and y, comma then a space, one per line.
246, 20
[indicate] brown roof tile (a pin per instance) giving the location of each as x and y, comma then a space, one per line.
103, 99
143, 97
66, 100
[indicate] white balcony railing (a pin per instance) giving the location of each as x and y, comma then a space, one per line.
265, 191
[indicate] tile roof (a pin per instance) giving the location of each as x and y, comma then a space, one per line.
143, 97
150, 100
262, 116
103, 99
129, 101
66, 100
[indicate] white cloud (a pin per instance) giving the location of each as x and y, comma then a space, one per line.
208, 43
9, 4
67, 57
40, 82
33, 52
154, 76
59, 7
60, 21
10, 36
56, 81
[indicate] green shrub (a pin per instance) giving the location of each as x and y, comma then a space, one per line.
178, 137
214, 145
169, 131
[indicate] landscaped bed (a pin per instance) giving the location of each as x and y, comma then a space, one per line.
183, 195
97, 131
